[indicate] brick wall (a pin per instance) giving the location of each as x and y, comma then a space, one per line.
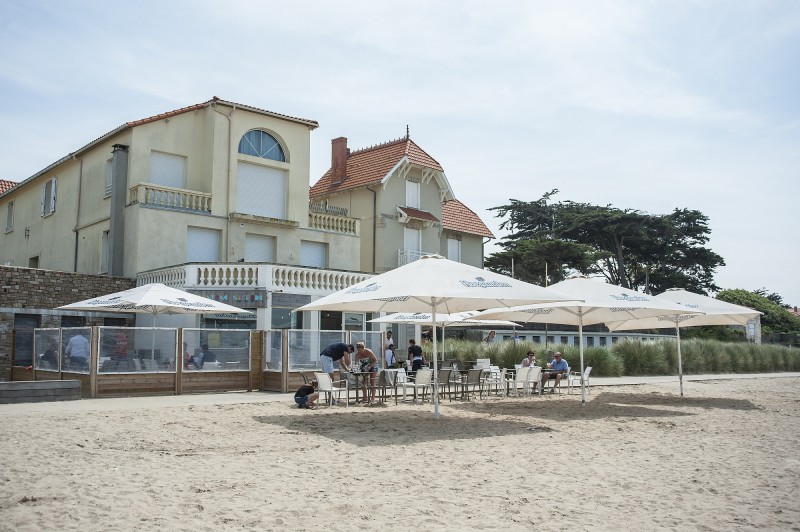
32, 291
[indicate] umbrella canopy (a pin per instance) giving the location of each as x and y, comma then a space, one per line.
601, 303
714, 312
434, 284
155, 298
458, 319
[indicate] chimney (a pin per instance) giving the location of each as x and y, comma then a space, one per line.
339, 153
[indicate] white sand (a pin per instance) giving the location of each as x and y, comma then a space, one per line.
634, 457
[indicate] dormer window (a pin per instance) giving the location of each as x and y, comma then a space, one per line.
261, 144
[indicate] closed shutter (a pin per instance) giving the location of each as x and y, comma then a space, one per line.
412, 239
259, 248
168, 170
202, 245
261, 191
412, 194
454, 249
313, 254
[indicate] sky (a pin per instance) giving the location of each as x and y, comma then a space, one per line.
646, 104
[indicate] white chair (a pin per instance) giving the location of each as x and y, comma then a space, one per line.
534, 379
326, 385
493, 377
579, 379
482, 363
520, 377
422, 381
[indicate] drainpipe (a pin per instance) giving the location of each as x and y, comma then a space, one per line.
483, 255
227, 188
374, 226
77, 214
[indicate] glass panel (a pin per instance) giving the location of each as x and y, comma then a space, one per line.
47, 346
305, 347
216, 349
373, 340
261, 144
273, 351
77, 349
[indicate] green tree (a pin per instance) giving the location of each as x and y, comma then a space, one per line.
628, 247
775, 318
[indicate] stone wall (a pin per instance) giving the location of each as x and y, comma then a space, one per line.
38, 292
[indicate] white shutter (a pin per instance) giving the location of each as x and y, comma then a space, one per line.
202, 245
259, 248
168, 170
49, 197
53, 196
454, 249
108, 179
313, 254
10, 216
412, 239
261, 191
412, 194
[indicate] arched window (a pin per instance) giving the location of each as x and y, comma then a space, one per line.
261, 144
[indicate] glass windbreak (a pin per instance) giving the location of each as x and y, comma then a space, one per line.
273, 351
305, 347
77, 349
47, 346
136, 349
216, 350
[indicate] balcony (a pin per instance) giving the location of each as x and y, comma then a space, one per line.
272, 277
406, 256
163, 197
333, 223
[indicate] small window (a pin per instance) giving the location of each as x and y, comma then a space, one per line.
454, 249
49, 197
412, 194
603, 340
564, 340
590, 341
168, 170
10, 217
202, 245
104, 252
313, 254
108, 179
259, 248
260, 144
33, 262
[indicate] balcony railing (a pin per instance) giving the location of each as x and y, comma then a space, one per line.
170, 198
405, 256
292, 279
330, 222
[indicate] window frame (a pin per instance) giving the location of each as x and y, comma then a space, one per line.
49, 196
10, 216
260, 151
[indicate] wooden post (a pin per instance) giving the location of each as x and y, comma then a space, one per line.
285, 360
179, 366
94, 346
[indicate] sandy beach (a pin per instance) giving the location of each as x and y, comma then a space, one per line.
634, 457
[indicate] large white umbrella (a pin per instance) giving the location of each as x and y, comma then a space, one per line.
602, 302
155, 299
458, 319
714, 312
434, 284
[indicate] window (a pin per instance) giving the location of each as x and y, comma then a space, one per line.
260, 144
202, 245
104, 252
259, 248
49, 197
454, 249
564, 340
33, 262
412, 239
261, 191
590, 341
108, 179
412, 194
602, 340
313, 254
167, 170
10, 217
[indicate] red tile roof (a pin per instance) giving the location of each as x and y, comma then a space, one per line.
458, 217
418, 214
5, 186
370, 165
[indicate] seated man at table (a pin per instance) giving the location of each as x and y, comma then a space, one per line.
555, 369
306, 395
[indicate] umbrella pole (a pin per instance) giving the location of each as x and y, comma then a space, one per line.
680, 364
580, 333
435, 365
153, 342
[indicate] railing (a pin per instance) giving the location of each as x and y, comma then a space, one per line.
405, 256
271, 277
329, 222
170, 198
324, 208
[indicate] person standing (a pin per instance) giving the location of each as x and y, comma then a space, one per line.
415, 355
337, 352
367, 363
78, 350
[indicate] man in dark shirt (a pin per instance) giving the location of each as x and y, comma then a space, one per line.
306, 396
415, 355
339, 351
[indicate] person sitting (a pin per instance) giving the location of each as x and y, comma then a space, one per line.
530, 360
306, 396
555, 370
49, 359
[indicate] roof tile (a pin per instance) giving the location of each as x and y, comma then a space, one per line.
5, 186
458, 217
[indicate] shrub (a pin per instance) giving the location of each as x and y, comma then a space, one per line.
641, 358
